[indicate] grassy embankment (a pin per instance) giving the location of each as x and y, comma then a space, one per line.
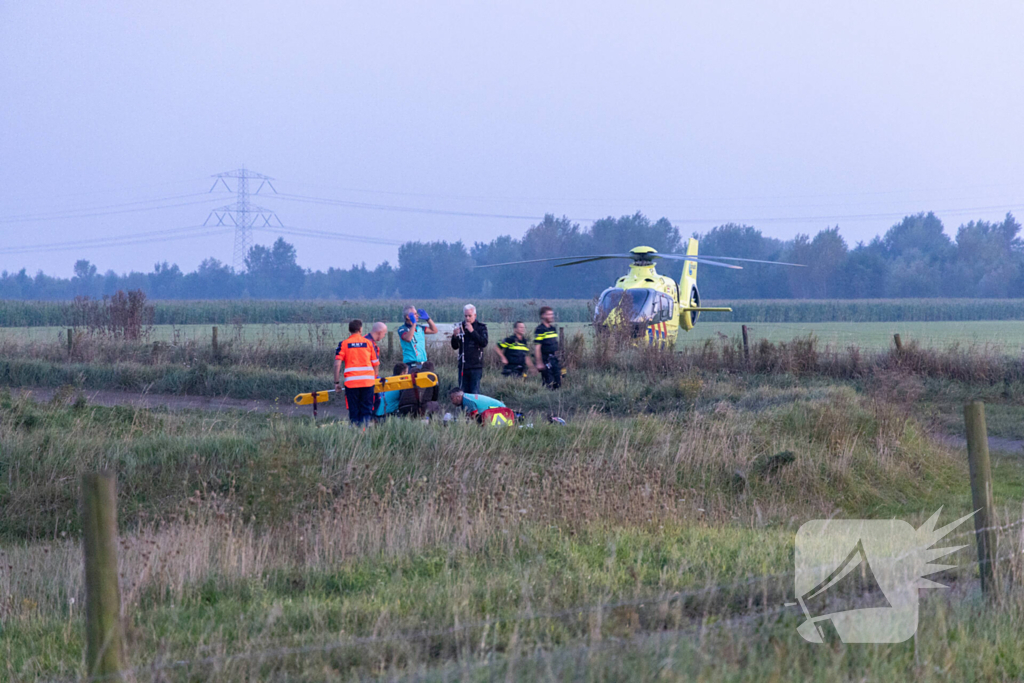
935, 382
419, 550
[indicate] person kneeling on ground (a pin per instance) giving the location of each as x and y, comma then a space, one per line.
416, 401
514, 353
389, 400
473, 402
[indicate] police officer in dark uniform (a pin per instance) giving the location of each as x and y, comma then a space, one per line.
513, 352
545, 349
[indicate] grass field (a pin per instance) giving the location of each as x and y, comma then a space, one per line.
649, 539
615, 548
1004, 336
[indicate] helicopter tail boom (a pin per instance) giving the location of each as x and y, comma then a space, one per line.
689, 298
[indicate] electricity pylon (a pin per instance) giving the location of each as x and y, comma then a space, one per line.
242, 214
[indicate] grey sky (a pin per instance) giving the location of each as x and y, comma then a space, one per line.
789, 116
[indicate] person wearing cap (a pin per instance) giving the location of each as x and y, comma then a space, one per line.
412, 335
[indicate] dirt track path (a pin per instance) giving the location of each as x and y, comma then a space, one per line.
335, 409
176, 402
995, 443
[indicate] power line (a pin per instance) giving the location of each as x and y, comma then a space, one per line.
118, 241
130, 188
187, 232
403, 209
682, 221
662, 200
326, 234
77, 213
848, 217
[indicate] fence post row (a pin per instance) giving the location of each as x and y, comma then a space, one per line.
103, 632
981, 491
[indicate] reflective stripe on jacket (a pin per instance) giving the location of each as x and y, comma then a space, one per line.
360, 359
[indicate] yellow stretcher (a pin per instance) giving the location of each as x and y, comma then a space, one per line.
424, 380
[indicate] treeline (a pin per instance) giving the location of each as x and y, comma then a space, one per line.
914, 258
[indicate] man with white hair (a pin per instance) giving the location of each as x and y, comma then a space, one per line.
470, 339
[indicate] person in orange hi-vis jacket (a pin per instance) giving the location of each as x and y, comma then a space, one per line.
359, 356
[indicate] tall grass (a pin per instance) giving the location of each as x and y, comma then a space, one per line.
604, 375
411, 548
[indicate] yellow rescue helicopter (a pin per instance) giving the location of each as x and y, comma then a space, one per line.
651, 306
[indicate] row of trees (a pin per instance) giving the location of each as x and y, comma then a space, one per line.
914, 258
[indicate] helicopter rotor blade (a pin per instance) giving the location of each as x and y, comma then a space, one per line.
735, 258
699, 259
557, 258
589, 259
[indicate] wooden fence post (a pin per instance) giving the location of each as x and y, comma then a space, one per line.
561, 339
391, 346
71, 341
981, 491
103, 634
216, 348
899, 342
746, 344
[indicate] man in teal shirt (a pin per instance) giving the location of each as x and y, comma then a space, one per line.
412, 334
471, 402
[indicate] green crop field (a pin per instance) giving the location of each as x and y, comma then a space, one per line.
1003, 336
58, 313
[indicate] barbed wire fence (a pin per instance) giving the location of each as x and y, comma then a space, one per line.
774, 605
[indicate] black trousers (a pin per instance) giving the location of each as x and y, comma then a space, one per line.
551, 372
513, 371
360, 404
471, 380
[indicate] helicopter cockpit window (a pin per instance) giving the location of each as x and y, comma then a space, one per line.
636, 303
608, 302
